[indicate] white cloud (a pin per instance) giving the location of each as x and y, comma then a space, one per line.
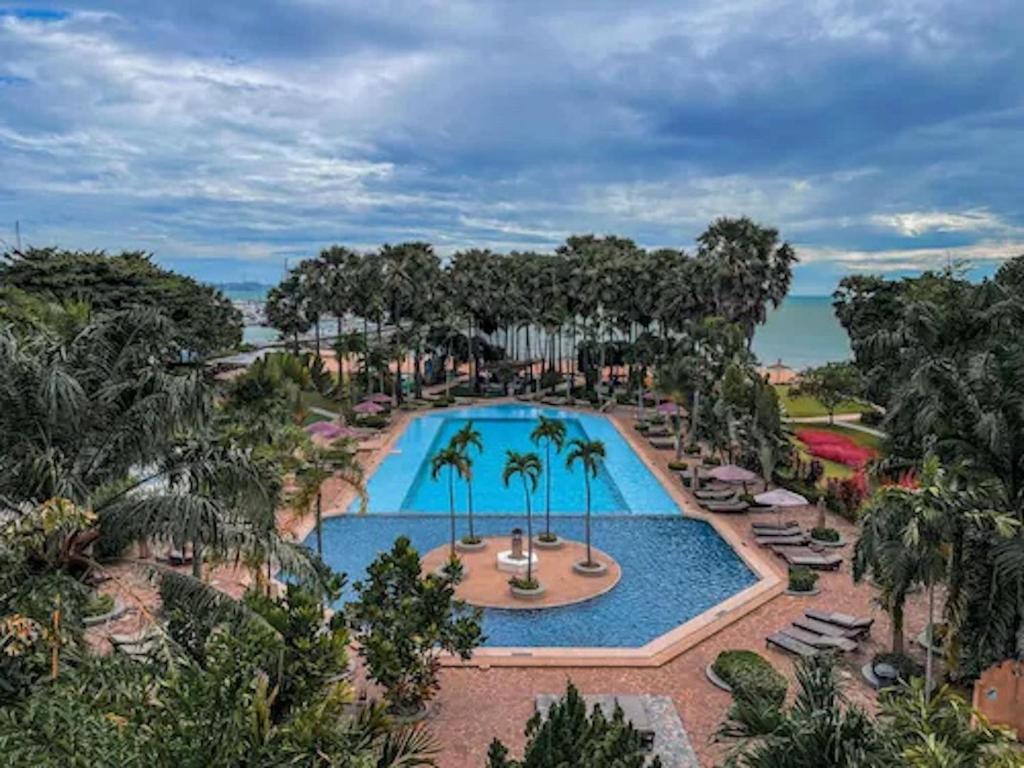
912, 259
917, 223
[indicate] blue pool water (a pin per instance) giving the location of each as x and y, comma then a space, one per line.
673, 568
403, 484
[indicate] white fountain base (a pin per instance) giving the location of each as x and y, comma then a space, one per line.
509, 564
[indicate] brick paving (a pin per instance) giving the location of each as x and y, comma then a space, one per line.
476, 705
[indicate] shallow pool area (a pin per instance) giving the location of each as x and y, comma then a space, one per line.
403, 483
673, 569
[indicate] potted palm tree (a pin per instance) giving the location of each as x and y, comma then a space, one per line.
552, 433
462, 441
455, 462
588, 453
527, 467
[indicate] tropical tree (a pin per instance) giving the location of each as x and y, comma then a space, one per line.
404, 620
568, 736
320, 464
202, 319
287, 309
589, 454
821, 728
831, 384
552, 433
456, 462
528, 468
462, 441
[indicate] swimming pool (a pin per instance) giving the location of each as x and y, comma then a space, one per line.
402, 483
673, 568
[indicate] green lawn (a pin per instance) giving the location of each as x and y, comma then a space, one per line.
799, 406
316, 400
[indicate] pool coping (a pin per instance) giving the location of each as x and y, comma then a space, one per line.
658, 651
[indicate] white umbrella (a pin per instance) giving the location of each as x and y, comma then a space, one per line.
779, 498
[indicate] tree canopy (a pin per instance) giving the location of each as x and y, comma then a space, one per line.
204, 320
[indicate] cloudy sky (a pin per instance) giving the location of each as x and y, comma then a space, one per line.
228, 136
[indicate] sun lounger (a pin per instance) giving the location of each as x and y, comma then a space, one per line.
723, 494
823, 628
844, 620
790, 645
790, 540
766, 528
725, 506
815, 560
662, 443
659, 432
816, 640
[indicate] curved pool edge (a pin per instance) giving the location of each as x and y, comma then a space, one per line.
770, 581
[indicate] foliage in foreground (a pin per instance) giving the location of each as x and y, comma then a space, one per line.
568, 736
112, 711
821, 729
403, 620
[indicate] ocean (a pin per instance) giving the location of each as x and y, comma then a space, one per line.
803, 332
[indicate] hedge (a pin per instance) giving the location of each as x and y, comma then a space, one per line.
750, 676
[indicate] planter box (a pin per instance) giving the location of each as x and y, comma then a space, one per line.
599, 570
527, 594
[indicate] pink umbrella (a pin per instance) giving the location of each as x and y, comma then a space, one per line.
349, 432
730, 473
380, 397
324, 429
669, 409
368, 406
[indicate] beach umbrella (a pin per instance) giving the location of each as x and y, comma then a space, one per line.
380, 397
324, 429
348, 432
731, 473
668, 408
368, 406
780, 498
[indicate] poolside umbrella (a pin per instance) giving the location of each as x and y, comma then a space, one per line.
780, 498
324, 429
668, 408
368, 406
380, 397
730, 473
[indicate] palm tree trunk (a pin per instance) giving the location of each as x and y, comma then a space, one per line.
320, 523
451, 509
586, 482
929, 664
366, 352
897, 629
529, 534
316, 338
677, 428
469, 505
547, 501
197, 559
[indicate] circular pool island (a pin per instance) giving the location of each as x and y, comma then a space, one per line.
488, 587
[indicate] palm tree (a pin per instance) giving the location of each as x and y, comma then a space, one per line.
319, 465
527, 466
588, 453
552, 432
466, 438
456, 462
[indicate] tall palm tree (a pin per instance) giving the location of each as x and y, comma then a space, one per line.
527, 467
319, 465
552, 433
589, 454
455, 461
466, 438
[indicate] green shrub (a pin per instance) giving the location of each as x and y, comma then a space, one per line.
548, 537
641, 426
550, 379
825, 534
802, 579
872, 418
905, 666
440, 404
750, 676
521, 582
657, 419
678, 466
